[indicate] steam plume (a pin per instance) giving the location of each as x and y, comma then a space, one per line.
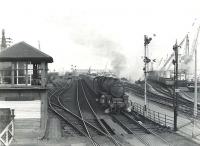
105, 48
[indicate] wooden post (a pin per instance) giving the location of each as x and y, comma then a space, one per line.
26, 73
13, 74
43, 74
44, 109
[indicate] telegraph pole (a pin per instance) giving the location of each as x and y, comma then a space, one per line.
175, 103
146, 61
195, 85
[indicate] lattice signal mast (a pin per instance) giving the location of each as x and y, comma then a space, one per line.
5, 42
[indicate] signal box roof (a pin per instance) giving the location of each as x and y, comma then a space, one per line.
24, 52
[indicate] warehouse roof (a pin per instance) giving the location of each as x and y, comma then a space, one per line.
24, 52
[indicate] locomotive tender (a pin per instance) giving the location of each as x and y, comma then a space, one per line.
110, 92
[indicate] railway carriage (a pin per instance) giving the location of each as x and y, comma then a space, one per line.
156, 76
191, 85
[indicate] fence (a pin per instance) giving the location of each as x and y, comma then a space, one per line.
6, 136
159, 118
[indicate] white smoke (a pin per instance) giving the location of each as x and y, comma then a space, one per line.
105, 48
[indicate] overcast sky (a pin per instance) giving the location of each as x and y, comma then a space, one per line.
100, 33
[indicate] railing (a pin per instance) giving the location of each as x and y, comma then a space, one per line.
159, 118
6, 136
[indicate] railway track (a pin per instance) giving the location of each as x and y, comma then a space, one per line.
142, 132
185, 106
164, 91
93, 114
128, 122
131, 128
85, 121
67, 116
55, 106
85, 114
138, 91
78, 122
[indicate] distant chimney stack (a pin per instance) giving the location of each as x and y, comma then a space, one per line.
3, 40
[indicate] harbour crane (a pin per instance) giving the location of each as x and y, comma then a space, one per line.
172, 55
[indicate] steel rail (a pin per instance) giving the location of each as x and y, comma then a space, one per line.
150, 131
97, 118
70, 112
184, 107
141, 91
67, 110
66, 120
45, 129
143, 128
94, 143
63, 117
130, 131
89, 124
163, 102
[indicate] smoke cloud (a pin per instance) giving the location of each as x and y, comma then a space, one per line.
118, 63
105, 48
111, 50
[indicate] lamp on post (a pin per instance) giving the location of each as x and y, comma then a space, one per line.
175, 102
147, 40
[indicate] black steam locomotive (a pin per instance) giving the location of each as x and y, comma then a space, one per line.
110, 91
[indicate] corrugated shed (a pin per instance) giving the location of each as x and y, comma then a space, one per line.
24, 52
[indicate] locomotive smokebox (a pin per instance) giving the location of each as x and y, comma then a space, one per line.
117, 90
110, 92
113, 86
